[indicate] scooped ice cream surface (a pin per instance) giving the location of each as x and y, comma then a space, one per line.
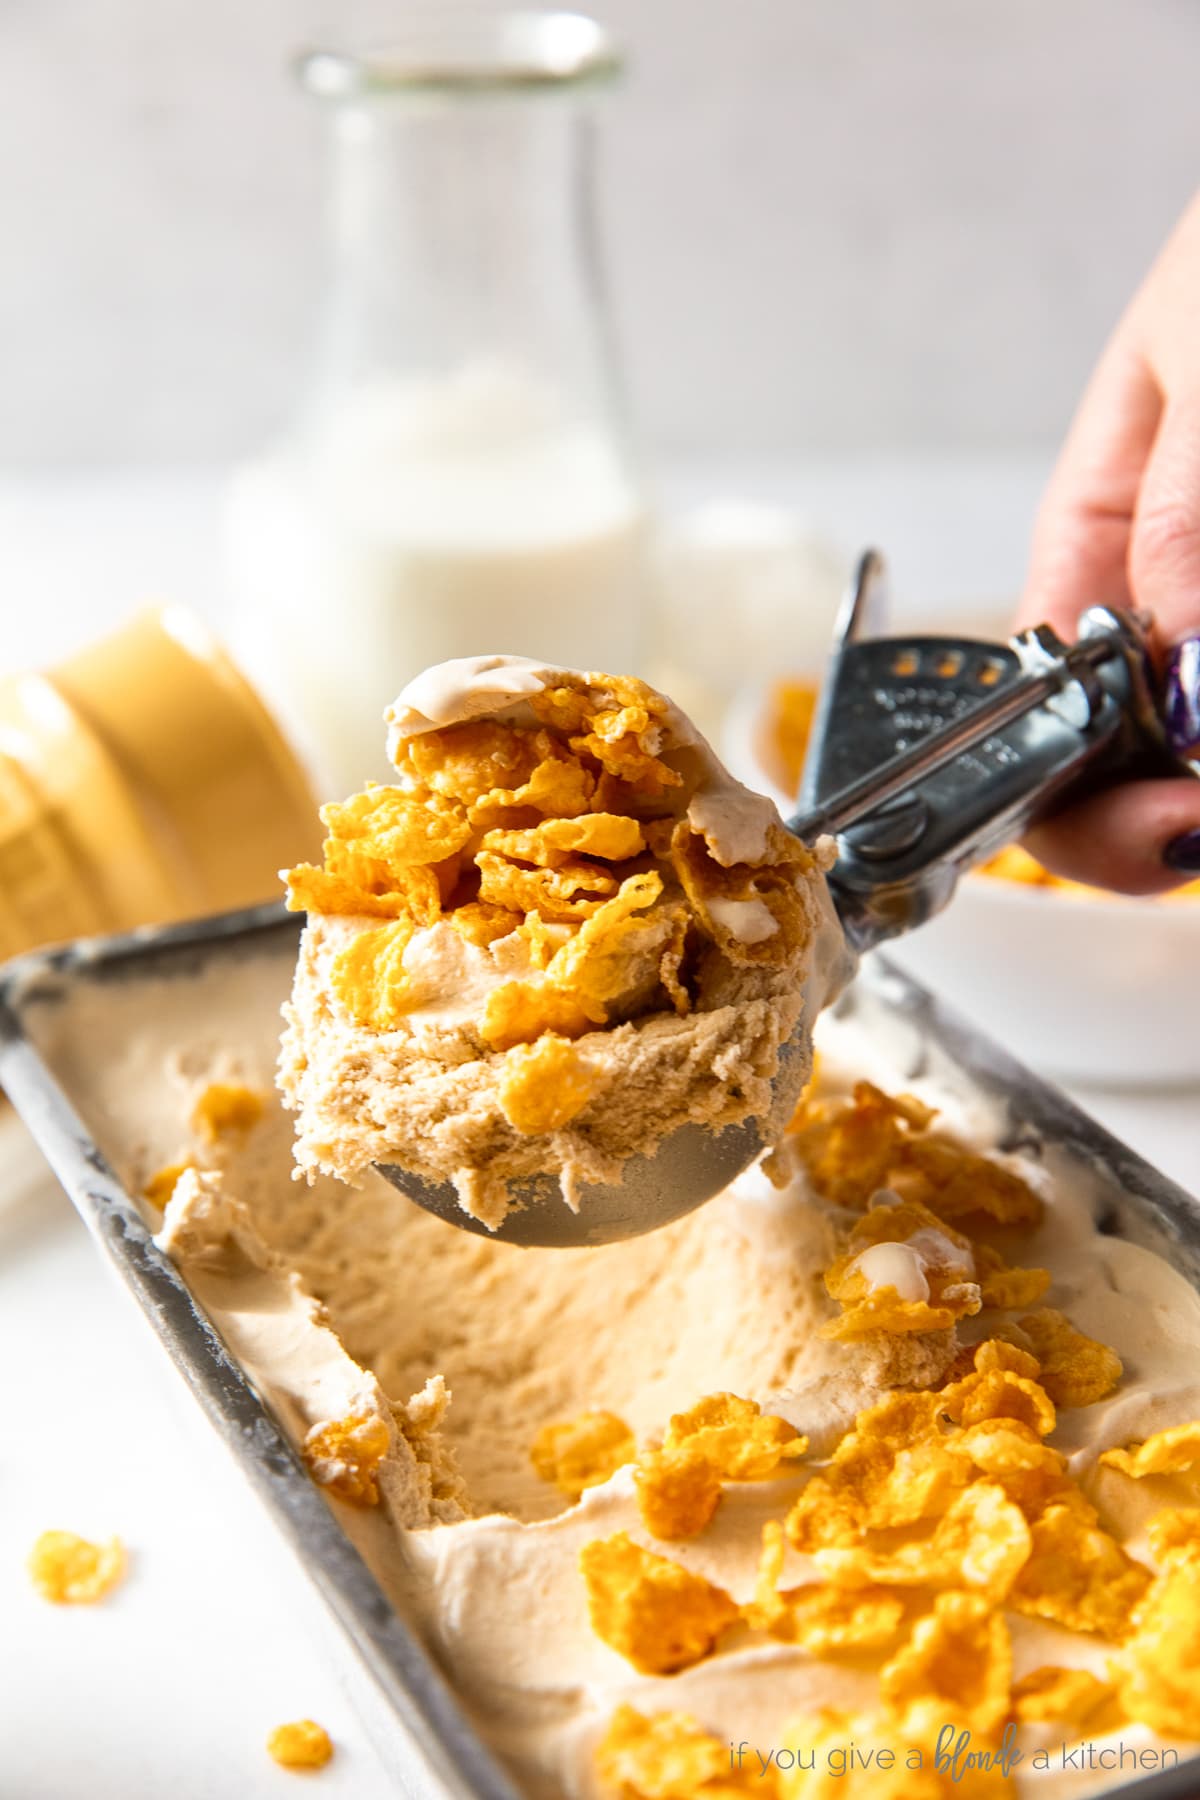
563, 933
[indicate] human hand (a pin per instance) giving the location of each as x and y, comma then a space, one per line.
1119, 525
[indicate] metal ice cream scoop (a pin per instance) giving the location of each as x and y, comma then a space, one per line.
927, 754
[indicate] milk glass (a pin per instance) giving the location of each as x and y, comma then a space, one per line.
459, 480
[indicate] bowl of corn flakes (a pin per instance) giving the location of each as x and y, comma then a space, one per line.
1081, 984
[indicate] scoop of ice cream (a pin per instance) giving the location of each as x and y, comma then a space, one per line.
561, 934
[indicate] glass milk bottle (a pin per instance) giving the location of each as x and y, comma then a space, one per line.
459, 481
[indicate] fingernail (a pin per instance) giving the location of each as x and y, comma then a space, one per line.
1184, 853
1181, 701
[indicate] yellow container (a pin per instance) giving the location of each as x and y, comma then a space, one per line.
142, 780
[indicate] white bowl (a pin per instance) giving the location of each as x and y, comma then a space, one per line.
1103, 989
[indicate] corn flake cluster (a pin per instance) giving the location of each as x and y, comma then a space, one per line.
934, 1521
563, 836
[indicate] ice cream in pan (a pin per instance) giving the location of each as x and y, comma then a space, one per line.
883, 1443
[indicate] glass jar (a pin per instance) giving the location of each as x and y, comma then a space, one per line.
460, 479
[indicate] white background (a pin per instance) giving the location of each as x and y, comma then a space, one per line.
855, 223
864, 252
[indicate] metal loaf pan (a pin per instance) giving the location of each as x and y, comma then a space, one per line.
449, 1759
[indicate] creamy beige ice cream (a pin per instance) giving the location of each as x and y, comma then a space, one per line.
563, 933
423, 1363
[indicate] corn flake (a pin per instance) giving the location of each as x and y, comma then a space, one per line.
1000, 1393
546, 1084
677, 1492
559, 787
1053, 1694
481, 922
581, 1453
70, 1571
980, 1542
649, 1609
369, 979
226, 1109
602, 834
464, 762
1005, 1287
618, 724
344, 1455
1076, 1370
614, 948
735, 1438
318, 891
1078, 1575
822, 1618
519, 1012
1157, 1667
396, 828
668, 1756
301, 1744
1174, 1534
161, 1185
1175, 1451
721, 1438
573, 890
956, 1665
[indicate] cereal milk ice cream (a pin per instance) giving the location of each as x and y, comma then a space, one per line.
564, 932
875, 1478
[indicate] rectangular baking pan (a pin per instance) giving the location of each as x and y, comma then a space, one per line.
449, 1760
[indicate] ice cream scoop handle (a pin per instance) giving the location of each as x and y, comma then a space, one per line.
929, 753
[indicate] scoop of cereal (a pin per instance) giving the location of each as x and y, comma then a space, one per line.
563, 933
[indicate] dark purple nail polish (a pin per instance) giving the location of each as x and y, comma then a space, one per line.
1181, 702
1183, 853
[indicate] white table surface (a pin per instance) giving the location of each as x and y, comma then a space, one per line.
172, 1685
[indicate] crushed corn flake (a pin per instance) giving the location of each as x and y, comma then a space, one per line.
1076, 1370
161, 1185
1078, 1575
71, 1571
344, 1455
302, 1744
669, 1756
1156, 1669
651, 1610
1075, 1697
546, 1084
580, 1453
956, 1665
226, 1108
1175, 1451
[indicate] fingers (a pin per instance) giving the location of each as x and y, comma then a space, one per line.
1082, 539
1118, 840
1164, 553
